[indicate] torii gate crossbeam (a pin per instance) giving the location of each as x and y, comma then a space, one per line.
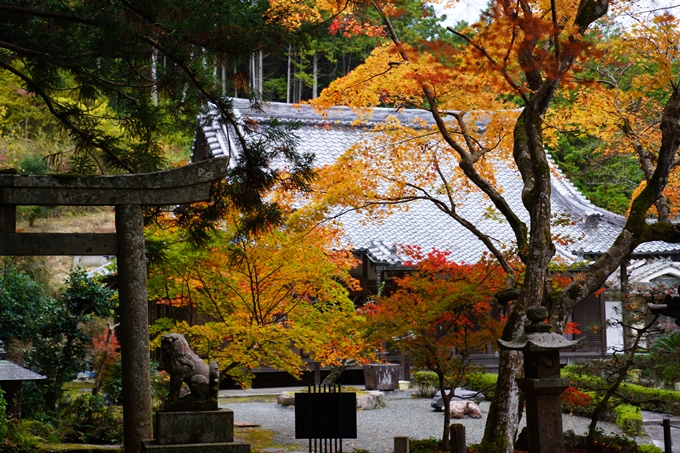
128, 193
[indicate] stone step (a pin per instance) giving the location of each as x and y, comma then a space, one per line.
150, 446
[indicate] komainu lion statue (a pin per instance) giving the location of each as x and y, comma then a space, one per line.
184, 366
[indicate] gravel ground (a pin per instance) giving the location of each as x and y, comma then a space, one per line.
376, 429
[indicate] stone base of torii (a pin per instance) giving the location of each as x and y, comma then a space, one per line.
128, 193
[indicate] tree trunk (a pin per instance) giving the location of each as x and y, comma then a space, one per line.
501, 423
446, 398
336, 371
252, 72
154, 88
315, 86
260, 73
300, 85
224, 79
503, 419
290, 50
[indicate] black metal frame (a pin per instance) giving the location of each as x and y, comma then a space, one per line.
325, 415
667, 441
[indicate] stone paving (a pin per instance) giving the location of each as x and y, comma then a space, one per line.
652, 421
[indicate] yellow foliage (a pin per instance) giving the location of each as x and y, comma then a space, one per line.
260, 298
623, 96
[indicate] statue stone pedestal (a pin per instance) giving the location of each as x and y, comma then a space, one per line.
192, 423
195, 432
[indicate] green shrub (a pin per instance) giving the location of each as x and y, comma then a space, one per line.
426, 383
160, 384
629, 418
670, 373
33, 164
484, 383
431, 445
646, 398
3, 416
44, 431
114, 384
19, 439
649, 448
651, 399
88, 420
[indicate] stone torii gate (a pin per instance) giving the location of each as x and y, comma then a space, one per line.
128, 193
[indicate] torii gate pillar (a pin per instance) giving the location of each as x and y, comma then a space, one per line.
128, 193
134, 325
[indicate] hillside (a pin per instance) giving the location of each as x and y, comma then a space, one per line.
66, 220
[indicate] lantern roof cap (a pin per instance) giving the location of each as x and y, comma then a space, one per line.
537, 336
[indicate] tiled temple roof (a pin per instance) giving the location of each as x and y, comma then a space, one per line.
327, 136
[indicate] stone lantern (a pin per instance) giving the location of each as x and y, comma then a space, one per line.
11, 377
542, 383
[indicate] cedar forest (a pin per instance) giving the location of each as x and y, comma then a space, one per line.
117, 88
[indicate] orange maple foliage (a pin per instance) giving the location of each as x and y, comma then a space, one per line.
260, 300
440, 315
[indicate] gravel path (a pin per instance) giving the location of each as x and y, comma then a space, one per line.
376, 429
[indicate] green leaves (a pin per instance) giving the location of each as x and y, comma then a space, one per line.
23, 305
669, 344
117, 76
60, 344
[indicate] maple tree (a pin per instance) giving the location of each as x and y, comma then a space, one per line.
260, 300
439, 315
628, 85
105, 354
521, 54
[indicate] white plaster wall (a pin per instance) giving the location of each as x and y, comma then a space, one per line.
614, 332
90, 261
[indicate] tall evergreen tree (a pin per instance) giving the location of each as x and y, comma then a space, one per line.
119, 74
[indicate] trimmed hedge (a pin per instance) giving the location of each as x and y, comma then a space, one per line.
629, 418
484, 383
647, 398
649, 448
426, 383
